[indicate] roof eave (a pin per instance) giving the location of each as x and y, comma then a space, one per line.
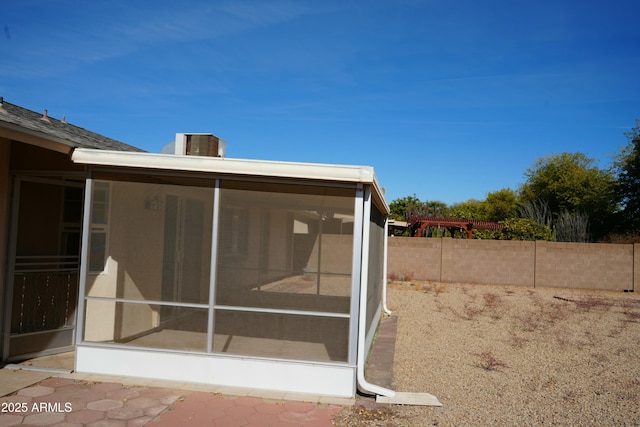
220, 165
228, 166
19, 133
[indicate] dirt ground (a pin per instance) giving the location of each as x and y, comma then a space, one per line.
506, 356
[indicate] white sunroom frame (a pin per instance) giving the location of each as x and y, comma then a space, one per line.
296, 376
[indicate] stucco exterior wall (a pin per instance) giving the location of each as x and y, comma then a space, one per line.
613, 267
130, 272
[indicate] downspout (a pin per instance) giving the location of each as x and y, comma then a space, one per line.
384, 267
363, 384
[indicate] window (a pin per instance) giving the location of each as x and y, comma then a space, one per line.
71, 224
234, 222
99, 227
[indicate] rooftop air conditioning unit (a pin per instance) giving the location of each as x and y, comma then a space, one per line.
200, 144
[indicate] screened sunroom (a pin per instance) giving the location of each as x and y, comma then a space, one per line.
243, 273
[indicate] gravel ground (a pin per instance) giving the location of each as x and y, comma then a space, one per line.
512, 356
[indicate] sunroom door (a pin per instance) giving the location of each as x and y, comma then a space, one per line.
182, 257
43, 268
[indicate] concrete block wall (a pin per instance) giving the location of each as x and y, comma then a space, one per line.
414, 258
499, 262
613, 267
584, 266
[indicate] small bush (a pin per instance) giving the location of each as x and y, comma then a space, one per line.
524, 229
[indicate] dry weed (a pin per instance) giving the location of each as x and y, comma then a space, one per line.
601, 358
556, 312
421, 287
405, 277
493, 303
587, 304
529, 322
537, 300
631, 316
592, 339
516, 340
488, 362
471, 312
616, 331
364, 416
491, 300
438, 288
468, 312
563, 340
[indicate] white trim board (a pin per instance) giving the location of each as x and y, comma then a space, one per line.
273, 375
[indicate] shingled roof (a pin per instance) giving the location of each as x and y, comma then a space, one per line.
15, 117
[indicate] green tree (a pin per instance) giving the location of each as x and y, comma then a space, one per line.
627, 170
500, 205
571, 182
524, 229
471, 209
398, 208
437, 208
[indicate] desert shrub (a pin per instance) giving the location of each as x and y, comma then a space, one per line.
524, 229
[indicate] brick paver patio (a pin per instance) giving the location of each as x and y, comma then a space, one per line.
66, 402
40, 400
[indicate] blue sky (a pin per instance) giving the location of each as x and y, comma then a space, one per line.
446, 100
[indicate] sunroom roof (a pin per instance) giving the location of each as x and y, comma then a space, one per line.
229, 166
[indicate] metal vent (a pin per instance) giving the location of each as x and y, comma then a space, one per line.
199, 144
